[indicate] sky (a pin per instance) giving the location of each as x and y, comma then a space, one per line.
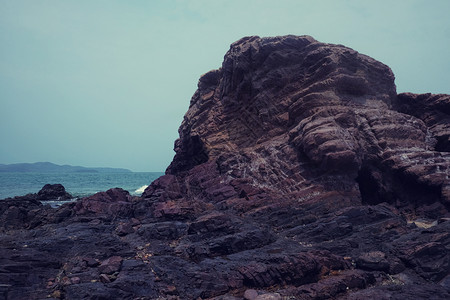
106, 83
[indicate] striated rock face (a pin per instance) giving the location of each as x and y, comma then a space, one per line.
303, 120
299, 174
311, 142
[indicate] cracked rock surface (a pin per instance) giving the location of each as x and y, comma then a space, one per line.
299, 173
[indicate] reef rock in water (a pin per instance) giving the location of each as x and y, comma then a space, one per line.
299, 174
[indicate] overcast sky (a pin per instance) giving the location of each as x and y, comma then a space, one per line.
106, 83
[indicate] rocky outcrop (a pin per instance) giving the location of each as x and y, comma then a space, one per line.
294, 115
53, 192
48, 192
299, 173
28, 211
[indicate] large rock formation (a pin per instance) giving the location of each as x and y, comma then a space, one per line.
299, 173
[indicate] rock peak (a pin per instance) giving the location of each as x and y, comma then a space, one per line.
290, 113
267, 86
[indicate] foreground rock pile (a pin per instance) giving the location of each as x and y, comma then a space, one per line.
299, 174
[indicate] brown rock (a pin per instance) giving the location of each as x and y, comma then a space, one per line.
56, 294
111, 265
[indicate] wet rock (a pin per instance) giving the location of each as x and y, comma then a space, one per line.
53, 192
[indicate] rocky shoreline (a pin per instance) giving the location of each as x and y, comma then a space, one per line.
299, 174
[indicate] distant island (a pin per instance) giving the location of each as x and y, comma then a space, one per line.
48, 167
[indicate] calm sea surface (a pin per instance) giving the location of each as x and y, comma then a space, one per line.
77, 184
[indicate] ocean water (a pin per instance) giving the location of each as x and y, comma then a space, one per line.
77, 184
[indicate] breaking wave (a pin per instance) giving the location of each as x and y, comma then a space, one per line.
141, 189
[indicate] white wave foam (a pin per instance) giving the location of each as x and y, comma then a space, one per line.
141, 189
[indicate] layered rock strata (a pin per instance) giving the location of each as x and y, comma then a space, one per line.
299, 173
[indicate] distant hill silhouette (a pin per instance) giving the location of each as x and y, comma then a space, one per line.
48, 167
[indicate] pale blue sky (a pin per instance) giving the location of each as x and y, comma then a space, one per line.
106, 83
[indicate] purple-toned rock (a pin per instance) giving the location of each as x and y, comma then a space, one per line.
299, 173
124, 229
250, 294
104, 278
112, 203
374, 261
91, 262
111, 265
27, 211
269, 296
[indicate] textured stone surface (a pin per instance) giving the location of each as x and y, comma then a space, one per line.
299, 174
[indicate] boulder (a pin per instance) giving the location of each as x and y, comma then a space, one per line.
114, 202
53, 192
110, 265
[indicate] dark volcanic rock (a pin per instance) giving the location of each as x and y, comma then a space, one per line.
110, 204
299, 173
28, 211
111, 265
53, 192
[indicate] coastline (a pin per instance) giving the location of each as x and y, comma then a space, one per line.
323, 187
78, 184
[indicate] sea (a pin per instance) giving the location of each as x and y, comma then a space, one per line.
78, 184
